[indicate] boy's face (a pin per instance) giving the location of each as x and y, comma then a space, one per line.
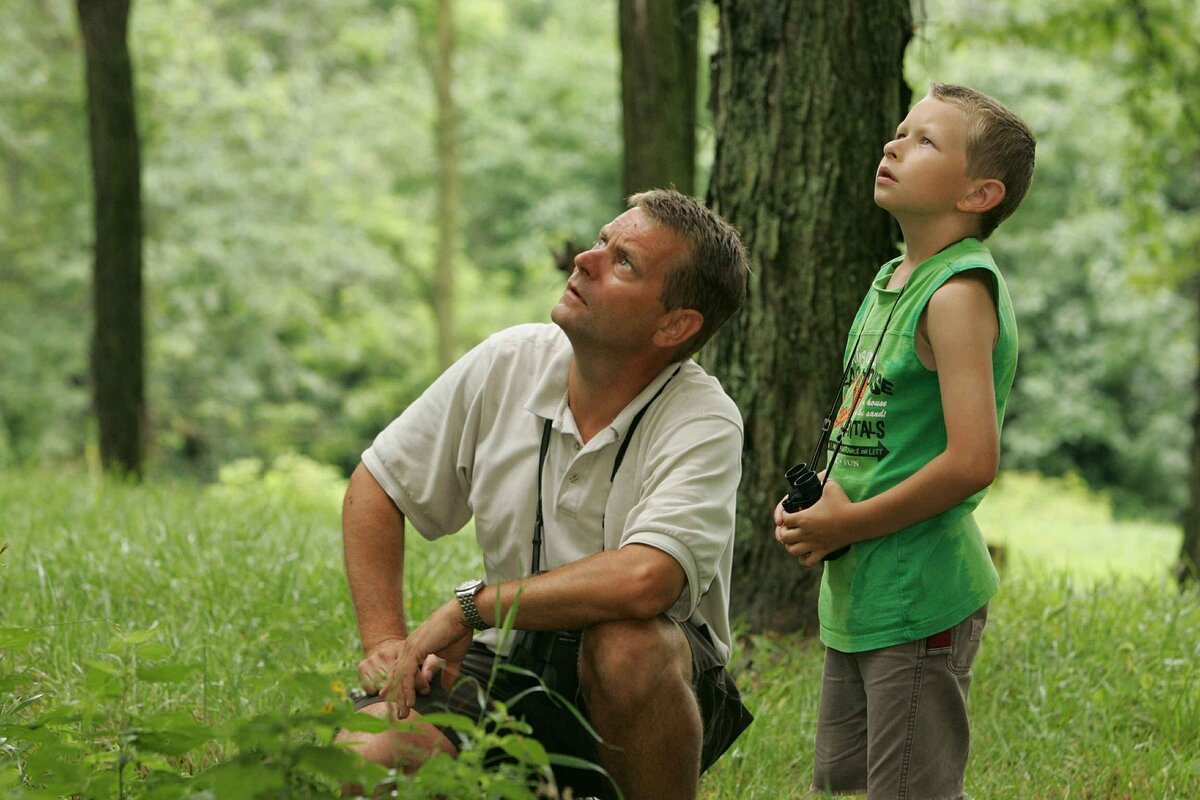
924, 168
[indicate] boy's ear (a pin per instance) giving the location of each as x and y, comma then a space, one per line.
987, 195
678, 326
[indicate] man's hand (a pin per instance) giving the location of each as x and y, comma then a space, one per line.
812, 533
399, 669
375, 671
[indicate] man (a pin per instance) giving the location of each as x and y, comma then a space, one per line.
602, 429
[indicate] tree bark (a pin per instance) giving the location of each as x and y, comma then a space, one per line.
804, 97
449, 185
118, 360
658, 93
1188, 568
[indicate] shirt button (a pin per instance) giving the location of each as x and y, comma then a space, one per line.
577, 446
573, 478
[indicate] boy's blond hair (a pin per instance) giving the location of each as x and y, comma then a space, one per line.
999, 145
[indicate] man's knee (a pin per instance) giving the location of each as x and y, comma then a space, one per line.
406, 745
634, 659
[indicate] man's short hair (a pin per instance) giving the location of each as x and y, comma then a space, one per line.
999, 145
711, 277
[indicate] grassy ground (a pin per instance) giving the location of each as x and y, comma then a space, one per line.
1087, 686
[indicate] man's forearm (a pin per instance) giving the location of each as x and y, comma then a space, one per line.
373, 547
634, 582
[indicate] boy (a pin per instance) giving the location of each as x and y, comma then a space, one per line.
930, 357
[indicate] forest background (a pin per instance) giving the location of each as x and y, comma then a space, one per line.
290, 182
295, 303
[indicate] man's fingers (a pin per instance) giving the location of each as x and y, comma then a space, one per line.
372, 678
450, 673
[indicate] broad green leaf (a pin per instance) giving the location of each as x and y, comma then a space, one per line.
168, 673
16, 638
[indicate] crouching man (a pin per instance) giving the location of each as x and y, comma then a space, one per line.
600, 464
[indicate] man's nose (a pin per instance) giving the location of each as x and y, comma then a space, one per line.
585, 262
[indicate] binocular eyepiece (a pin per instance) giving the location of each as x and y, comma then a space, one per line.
805, 490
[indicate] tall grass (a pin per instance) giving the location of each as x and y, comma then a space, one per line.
1087, 685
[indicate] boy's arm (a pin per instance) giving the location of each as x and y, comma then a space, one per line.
963, 329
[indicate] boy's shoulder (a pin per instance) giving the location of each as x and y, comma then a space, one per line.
966, 256
970, 254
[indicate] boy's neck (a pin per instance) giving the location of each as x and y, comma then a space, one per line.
927, 238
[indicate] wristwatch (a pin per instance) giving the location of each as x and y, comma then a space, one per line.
465, 592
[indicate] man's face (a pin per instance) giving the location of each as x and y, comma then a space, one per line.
612, 297
924, 168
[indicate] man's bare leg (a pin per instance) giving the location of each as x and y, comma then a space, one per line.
637, 679
404, 747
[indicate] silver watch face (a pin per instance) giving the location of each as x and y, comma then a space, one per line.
468, 586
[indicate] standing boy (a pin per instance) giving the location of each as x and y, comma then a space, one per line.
930, 360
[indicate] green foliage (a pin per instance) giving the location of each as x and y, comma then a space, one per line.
288, 185
164, 641
167, 641
289, 179
1094, 255
97, 747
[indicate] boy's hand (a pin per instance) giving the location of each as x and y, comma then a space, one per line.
812, 533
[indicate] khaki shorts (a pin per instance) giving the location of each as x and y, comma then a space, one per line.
721, 708
893, 721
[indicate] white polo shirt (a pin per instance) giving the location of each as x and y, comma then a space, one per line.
469, 447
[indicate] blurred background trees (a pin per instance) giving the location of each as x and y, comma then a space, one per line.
290, 185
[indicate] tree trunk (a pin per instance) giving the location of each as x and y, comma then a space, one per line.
804, 97
118, 340
658, 93
1188, 568
449, 185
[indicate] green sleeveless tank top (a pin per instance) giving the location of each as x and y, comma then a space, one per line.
922, 579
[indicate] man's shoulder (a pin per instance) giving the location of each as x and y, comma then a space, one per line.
531, 335
698, 393
526, 344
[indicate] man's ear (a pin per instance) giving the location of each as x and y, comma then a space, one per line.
987, 195
677, 327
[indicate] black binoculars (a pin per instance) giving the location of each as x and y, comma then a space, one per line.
804, 490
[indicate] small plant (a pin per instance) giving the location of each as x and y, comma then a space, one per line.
121, 741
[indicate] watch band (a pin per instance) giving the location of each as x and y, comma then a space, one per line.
465, 592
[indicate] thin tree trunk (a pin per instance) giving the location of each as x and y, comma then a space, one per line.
804, 96
658, 93
449, 185
1188, 568
118, 340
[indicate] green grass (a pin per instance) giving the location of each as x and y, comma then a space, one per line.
1087, 685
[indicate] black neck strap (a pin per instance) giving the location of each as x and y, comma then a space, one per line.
538, 524
855, 395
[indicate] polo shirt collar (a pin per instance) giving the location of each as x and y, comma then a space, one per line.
548, 398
